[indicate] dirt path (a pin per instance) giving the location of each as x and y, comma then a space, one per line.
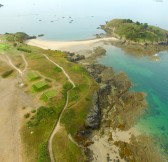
57, 126
9, 61
66, 74
25, 62
12, 65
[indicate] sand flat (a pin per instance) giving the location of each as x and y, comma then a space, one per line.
68, 45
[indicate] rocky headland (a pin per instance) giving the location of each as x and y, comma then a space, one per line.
110, 124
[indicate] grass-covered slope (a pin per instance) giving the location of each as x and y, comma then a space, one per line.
135, 31
39, 123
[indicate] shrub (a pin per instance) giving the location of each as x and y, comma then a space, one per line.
57, 69
42, 114
48, 80
27, 115
20, 36
33, 111
14, 44
7, 73
24, 49
67, 86
43, 153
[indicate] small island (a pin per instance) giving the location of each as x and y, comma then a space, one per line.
135, 35
1, 5
126, 29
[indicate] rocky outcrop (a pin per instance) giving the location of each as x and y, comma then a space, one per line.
40, 35
75, 58
141, 49
116, 103
140, 148
1, 5
94, 117
114, 107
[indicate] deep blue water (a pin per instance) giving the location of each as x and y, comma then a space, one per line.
147, 75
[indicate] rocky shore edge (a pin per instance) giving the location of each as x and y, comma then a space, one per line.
140, 49
114, 112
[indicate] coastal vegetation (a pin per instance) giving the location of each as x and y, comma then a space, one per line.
126, 29
50, 88
7, 73
18, 37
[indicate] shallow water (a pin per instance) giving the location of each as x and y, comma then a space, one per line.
150, 77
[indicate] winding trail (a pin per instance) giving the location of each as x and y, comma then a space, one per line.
68, 77
25, 62
9, 61
11, 64
57, 124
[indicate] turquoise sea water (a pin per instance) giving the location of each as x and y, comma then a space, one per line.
148, 76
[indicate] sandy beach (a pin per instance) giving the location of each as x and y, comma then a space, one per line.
72, 46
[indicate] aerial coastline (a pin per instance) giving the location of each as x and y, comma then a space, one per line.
140, 44
100, 140
113, 108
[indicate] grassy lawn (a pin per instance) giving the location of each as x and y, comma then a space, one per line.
78, 108
48, 95
36, 133
40, 86
69, 152
32, 76
41, 126
4, 47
